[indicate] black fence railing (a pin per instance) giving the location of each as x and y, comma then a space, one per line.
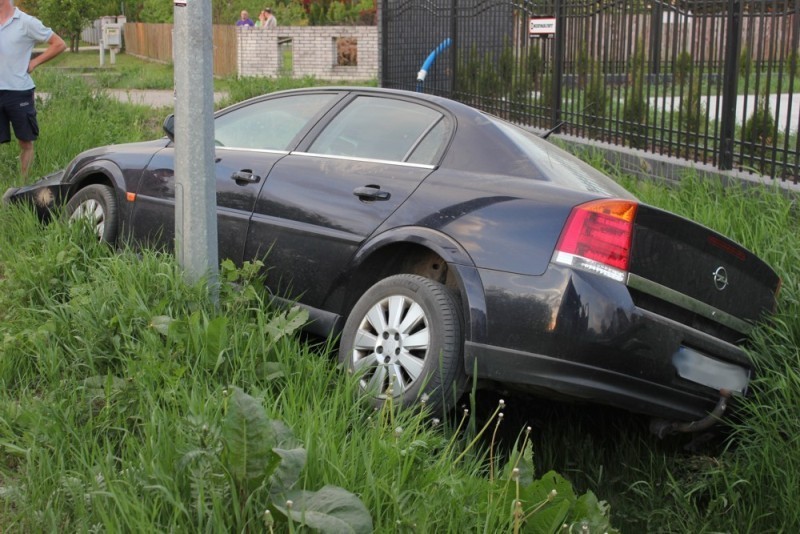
711, 81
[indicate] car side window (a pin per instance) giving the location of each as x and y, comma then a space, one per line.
268, 124
430, 147
381, 128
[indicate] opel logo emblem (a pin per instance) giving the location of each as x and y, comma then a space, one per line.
720, 278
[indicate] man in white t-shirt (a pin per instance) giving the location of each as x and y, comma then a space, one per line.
19, 32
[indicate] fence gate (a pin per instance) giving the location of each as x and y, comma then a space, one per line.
714, 81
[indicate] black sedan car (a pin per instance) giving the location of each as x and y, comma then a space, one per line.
445, 245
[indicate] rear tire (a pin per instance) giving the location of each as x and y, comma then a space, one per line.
96, 204
404, 338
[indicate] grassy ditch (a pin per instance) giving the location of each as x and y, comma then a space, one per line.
128, 401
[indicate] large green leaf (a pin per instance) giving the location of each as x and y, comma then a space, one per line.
283, 479
593, 513
552, 511
286, 323
523, 462
289, 458
331, 510
216, 341
161, 324
247, 434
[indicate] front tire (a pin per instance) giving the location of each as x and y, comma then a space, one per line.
404, 340
96, 204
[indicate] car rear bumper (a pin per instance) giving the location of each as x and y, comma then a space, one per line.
546, 375
581, 336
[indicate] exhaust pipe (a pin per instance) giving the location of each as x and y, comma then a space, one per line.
662, 428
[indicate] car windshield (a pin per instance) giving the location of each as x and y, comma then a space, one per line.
559, 166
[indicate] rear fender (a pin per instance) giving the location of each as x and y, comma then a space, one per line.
459, 263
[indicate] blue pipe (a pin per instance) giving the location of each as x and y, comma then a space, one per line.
429, 61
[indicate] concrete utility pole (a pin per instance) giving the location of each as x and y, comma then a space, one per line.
195, 184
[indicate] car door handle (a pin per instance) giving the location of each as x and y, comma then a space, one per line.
371, 192
245, 176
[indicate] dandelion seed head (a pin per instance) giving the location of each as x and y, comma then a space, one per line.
398, 431
436, 421
289, 504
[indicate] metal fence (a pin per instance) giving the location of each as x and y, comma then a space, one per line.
711, 81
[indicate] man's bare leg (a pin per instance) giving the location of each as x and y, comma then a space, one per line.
25, 157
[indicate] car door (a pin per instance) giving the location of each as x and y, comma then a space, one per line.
321, 202
249, 139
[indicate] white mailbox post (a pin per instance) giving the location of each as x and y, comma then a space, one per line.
112, 39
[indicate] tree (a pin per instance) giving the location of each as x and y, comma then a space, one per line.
68, 18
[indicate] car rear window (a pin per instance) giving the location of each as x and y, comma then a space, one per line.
559, 166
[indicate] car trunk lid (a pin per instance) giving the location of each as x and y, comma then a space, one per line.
699, 270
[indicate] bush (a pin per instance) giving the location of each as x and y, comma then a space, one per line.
682, 67
596, 99
692, 115
758, 134
636, 107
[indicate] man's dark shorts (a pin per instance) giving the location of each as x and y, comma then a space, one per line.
18, 109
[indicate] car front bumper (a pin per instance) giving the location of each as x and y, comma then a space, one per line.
42, 195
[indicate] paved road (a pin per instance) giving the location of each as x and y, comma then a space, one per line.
149, 97
146, 97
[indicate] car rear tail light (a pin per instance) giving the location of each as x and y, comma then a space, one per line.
597, 238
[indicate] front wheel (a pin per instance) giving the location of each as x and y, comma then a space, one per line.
404, 340
97, 205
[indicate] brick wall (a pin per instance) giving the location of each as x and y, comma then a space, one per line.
313, 52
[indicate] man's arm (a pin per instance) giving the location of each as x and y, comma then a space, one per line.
55, 45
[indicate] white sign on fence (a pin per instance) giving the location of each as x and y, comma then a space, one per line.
542, 27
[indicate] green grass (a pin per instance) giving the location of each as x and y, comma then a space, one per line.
127, 72
130, 401
134, 73
116, 384
120, 409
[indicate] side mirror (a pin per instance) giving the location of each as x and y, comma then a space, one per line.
169, 127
